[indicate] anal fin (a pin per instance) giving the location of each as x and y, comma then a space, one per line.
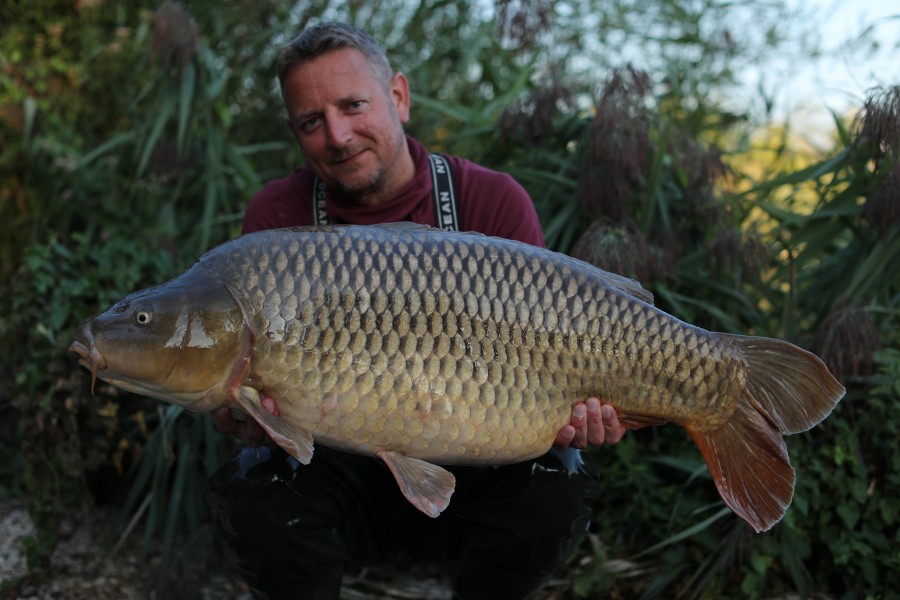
427, 486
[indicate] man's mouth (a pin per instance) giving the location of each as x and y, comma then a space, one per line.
347, 156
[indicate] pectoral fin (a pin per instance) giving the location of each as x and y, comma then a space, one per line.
296, 441
428, 487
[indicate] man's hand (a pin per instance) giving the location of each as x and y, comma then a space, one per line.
592, 424
246, 429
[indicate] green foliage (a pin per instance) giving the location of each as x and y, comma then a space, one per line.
116, 181
181, 451
56, 55
832, 272
67, 434
843, 282
132, 136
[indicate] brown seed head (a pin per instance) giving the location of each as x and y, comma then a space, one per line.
734, 251
173, 41
618, 152
876, 146
623, 249
521, 22
878, 124
529, 120
848, 340
882, 208
697, 168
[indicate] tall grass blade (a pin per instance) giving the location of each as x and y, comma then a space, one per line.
159, 124
185, 102
120, 139
686, 533
175, 506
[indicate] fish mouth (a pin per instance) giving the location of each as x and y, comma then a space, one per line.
89, 356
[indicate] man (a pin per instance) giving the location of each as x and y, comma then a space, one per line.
294, 528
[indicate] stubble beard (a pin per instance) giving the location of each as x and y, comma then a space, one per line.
356, 190
365, 190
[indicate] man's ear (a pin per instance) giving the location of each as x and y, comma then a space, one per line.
400, 95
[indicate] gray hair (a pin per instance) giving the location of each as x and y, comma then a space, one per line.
323, 38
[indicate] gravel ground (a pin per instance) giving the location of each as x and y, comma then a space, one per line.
82, 569
15, 525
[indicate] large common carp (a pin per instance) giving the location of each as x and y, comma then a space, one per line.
424, 347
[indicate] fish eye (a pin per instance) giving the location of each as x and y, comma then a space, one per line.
143, 316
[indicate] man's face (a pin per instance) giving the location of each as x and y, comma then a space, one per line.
349, 127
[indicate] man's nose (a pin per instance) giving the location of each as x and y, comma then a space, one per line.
340, 131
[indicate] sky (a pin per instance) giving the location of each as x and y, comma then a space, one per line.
839, 80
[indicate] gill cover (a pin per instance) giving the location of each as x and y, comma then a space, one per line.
180, 341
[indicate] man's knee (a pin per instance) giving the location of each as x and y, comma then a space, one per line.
281, 542
523, 538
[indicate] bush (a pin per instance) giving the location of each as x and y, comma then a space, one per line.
132, 138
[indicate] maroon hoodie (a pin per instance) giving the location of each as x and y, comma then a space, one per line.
489, 202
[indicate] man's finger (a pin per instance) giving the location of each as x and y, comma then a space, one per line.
596, 432
613, 429
564, 437
270, 406
579, 422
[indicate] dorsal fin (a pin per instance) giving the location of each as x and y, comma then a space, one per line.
403, 226
629, 286
411, 227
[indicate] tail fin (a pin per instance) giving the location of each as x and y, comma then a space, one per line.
788, 390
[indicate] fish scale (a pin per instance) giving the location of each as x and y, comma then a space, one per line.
393, 296
425, 347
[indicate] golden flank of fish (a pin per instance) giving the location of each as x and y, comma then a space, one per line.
424, 347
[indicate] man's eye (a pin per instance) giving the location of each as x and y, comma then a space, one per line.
356, 105
310, 124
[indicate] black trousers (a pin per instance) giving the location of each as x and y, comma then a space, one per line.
294, 529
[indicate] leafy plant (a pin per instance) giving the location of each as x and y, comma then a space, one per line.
105, 193
843, 511
132, 136
67, 434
